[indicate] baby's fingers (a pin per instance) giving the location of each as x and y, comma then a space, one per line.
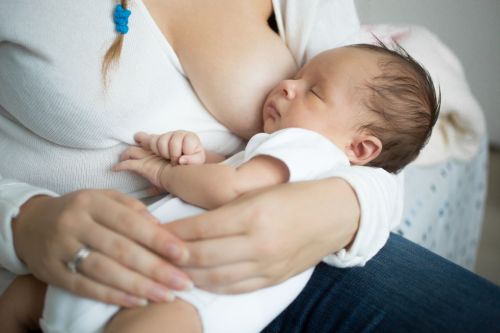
142, 139
151, 142
198, 158
127, 165
134, 153
191, 144
175, 147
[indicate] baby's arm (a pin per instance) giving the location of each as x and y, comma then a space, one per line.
21, 305
212, 185
205, 185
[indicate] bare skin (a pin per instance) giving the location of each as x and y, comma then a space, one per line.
232, 59
212, 51
21, 305
176, 317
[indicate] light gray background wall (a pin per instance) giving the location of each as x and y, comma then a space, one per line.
471, 28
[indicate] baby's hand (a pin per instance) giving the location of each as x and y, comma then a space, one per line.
180, 147
145, 163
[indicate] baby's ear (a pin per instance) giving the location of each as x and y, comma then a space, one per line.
364, 149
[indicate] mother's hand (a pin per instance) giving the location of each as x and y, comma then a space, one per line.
265, 237
121, 269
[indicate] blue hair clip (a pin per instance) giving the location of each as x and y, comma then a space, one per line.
121, 19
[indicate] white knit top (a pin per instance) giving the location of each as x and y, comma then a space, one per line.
61, 131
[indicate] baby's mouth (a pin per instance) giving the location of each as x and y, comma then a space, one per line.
270, 109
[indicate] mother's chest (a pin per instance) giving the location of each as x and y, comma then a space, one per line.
229, 53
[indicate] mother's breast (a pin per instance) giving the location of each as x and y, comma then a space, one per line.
231, 57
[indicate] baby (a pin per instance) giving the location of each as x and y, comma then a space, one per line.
355, 105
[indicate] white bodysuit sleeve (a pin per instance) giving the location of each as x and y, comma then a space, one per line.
13, 195
306, 154
380, 196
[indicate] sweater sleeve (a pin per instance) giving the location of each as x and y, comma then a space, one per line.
380, 196
13, 195
312, 26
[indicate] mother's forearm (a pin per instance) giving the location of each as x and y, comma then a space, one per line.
274, 233
334, 214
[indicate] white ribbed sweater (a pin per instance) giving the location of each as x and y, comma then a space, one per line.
59, 130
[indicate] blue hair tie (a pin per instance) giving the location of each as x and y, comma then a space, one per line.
121, 19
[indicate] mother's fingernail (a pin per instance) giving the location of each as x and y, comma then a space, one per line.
161, 294
184, 256
142, 302
174, 251
181, 283
189, 285
133, 301
149, 216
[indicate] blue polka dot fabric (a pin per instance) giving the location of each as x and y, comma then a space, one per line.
444, 206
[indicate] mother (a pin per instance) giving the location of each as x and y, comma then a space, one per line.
61, 129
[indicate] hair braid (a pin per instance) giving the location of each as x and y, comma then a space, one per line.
112, 56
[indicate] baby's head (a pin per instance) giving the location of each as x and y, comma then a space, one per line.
377, 105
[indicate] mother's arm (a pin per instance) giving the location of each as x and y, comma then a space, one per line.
272, 235
278, 232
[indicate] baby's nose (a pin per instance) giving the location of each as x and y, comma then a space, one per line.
288, 88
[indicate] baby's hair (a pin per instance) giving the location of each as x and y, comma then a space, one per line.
406, 104
113, 54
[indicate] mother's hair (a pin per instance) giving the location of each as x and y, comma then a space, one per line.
113, 54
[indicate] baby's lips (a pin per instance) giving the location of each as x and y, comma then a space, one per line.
270, 109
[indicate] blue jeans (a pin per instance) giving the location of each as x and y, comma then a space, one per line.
404, 288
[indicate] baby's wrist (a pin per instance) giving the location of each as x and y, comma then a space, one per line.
164, 176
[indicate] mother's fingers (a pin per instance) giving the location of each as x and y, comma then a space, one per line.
219, 251
51, 230
220, 276
132, 203
103, 270
244, 286
213, 224
129, 254
135, 226
84, 286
